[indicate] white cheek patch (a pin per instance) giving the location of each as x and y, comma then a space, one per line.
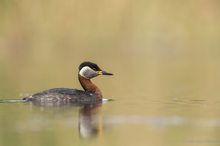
87, 72
83, 70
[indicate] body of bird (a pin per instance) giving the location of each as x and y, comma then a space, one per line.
91, 93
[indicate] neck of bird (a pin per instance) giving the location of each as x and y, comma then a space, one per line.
89, 86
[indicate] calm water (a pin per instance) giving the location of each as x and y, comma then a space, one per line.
135, 120
165, 58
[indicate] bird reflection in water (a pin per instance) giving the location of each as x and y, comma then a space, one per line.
90, 118
90, 121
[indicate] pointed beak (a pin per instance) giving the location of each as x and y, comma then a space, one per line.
104, 73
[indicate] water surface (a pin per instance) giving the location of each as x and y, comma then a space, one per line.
173, 121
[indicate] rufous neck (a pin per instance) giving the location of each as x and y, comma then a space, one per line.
89, 86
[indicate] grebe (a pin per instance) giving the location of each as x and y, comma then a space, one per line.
91, 93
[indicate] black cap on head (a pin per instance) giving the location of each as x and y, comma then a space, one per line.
89, 64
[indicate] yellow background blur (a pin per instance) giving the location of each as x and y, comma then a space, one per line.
165, 56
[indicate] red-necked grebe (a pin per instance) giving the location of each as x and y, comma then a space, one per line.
87, 71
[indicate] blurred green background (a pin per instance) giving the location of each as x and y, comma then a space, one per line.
156, 49
162, 47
